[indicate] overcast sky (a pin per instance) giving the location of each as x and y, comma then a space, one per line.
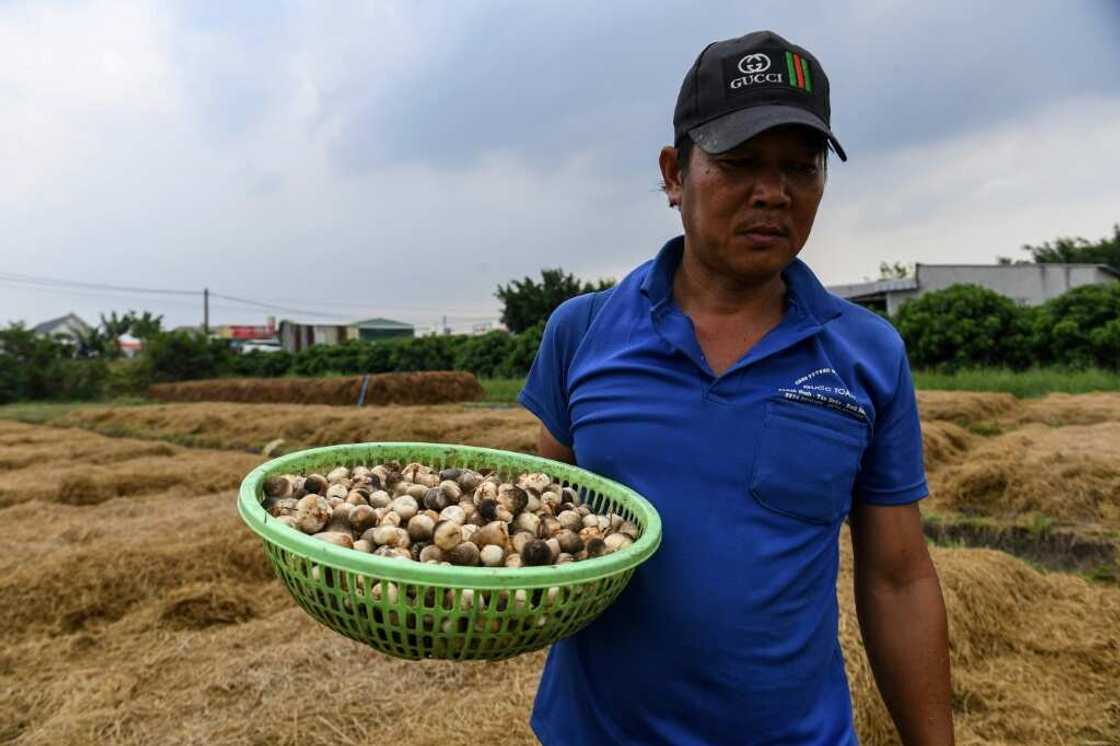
402, 159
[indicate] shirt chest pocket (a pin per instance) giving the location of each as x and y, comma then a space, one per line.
806, 460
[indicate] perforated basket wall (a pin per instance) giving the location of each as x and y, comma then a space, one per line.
414, 610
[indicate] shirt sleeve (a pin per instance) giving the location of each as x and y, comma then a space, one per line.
892, 471
545, 393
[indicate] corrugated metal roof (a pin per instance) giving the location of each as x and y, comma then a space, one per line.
48, 327
382, 324
861, 289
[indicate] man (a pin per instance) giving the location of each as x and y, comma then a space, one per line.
756, 411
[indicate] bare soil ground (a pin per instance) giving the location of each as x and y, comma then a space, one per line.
135, 607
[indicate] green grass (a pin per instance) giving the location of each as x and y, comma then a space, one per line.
1023, 384
502, 390
40, 412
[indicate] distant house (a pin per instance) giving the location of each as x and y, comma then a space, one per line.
69, 326
295, 336
1026, 284
375, 329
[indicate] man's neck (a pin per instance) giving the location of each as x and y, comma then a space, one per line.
702, 293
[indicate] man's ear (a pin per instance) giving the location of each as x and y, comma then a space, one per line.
670, 175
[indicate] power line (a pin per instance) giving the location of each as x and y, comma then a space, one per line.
31, 280
76, 287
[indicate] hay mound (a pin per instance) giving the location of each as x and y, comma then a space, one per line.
965, 407
134, 621
206, 604
944, 443
92, 468
252, 426
1057, 410
436, 387
1070, 473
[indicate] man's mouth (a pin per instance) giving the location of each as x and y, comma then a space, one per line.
764, 229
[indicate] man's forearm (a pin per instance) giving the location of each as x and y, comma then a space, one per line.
905, 633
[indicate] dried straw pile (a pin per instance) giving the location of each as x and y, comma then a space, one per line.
251, 426
965, 407
156, 618
436, 387
1058, 410
1070, 473
75, 467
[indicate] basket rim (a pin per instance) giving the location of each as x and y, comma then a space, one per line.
399, 570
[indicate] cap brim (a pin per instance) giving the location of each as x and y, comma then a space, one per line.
734, 129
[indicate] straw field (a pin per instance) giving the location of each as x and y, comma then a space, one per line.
430, 387
141, 611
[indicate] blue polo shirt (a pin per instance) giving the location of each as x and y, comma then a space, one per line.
728, 634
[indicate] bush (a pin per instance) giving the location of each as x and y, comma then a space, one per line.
13, 379
184, 356
1080, 328
261, 364
129, 377
79, 379
523, 351
485, 355
965, 326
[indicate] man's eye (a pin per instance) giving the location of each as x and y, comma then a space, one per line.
804, 169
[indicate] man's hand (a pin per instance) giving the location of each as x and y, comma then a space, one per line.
550, 447
902, 620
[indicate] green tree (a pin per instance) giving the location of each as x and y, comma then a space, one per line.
965, 326
1080, 328
527, 302
896, 271
1079, 250
144, 326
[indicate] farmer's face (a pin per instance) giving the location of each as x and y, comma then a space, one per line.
748, 212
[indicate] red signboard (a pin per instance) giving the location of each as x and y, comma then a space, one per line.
241, 331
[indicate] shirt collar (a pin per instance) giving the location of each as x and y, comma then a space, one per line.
801, 283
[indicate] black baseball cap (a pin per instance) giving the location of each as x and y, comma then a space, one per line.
739, 87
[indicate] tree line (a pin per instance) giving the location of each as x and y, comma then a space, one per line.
961, 326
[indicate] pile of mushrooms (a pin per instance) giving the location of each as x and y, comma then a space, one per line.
452, 516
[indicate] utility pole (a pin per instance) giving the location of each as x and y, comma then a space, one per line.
206, 310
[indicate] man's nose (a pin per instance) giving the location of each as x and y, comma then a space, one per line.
770, 190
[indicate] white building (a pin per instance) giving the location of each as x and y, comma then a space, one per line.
69, 326
1026, 284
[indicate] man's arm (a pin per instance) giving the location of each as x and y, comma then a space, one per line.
550, 447
902, 620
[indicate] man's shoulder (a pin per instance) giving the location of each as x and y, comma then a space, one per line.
866, 329
575, 315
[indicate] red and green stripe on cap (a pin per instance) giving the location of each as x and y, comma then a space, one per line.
798, 72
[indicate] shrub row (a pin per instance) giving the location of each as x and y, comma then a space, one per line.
968, 326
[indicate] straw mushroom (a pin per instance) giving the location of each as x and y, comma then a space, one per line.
312, 513
420, 527
536, 552
494, 533
570, 520
453, 513
447, 534
405, 506
337, 538
278, 506
614, 542
379, 499
492, 555
569, 541
362, 518
316, 483
277, 486
464, 553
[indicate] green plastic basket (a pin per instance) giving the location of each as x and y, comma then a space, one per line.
414, 610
